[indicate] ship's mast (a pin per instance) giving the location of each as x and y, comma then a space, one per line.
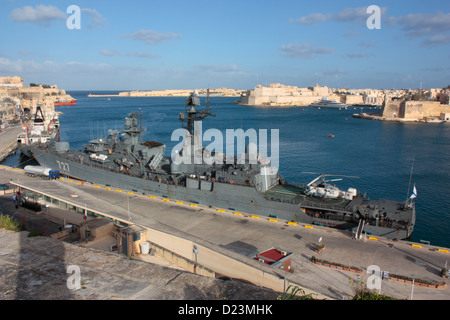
37, 118
133, 129
192, 114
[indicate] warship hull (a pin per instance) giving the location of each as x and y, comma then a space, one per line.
229, 196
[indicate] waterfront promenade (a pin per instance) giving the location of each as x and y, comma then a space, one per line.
238, 236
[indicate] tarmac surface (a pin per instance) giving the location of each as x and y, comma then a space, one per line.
240, 235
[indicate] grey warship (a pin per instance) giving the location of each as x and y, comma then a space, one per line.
121, 160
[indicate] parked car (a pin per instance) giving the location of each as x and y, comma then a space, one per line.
4, 187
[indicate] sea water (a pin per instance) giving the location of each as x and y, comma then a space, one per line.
381, 159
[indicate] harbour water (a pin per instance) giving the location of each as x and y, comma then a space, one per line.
380, 154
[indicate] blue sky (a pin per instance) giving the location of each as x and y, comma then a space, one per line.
154, 45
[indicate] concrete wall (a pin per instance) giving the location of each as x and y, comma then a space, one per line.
354, 99
391, 109
215, 261
61, 234
212, 259
183, 262
97, 230
434, 108
414, 109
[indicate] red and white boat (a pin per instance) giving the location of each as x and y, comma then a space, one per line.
66, 103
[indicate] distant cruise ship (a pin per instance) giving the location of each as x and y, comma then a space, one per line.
325, 103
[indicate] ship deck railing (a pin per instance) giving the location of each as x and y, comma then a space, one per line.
396, 225
318, 205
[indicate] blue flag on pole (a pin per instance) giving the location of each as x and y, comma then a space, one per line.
414, 194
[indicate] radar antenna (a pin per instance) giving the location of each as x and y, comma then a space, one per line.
192, 114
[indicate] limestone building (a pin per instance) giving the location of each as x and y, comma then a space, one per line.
15, 97
415, 110
277, 94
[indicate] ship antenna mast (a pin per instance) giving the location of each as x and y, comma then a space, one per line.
192, 114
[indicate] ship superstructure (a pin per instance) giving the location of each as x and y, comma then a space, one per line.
39, 130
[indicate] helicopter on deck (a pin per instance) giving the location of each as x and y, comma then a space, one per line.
319, 187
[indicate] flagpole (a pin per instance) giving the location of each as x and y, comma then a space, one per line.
409, 185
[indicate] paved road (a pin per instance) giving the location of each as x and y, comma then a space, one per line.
242, 235
8, 138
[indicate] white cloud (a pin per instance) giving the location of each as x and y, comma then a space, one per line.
95, 16
354, 55
297, 50
335, 72
367, 45
143, 54
314, 18
110, 53
224, 68
105, 76
416, 25
150, 37
352, 14
31, 67
434, 28
436, 40
346, 15
352, 34
137, 54
41, 14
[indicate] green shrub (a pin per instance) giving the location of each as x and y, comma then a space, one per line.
295, 293
34, 234
6, 222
